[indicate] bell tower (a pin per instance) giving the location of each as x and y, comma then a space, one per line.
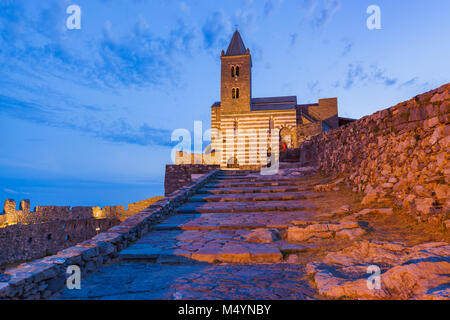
236, 77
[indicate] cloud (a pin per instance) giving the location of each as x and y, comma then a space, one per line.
313, 87
118, 130
308, 7
10, 21
185, 8
141, 58
294, 37
121, 131
325, 14
271, 5
36, 50
379, 75
354, 73
347, 48
318, 13
357, 74
410, 82
138, 58
7, 190
215, 30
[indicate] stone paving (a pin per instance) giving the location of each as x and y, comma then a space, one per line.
142, 280
242, 236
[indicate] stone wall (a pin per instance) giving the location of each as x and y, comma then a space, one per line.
136, 207
42, 278
399, 153
26, 242
178, 176
26, 234
308, 130
326, 109
182, 157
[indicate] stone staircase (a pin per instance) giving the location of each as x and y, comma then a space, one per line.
240, 217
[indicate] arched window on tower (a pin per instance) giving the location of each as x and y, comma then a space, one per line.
237, 72
233, 93
237, 93
232, 71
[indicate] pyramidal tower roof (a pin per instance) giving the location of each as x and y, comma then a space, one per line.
236, 46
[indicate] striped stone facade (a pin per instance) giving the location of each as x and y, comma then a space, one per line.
247, 139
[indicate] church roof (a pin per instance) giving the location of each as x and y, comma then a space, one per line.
270, 103
274, 103
236, 46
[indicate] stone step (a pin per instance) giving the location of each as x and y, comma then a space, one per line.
246, 206
224, 246
249, 190
257, 178
235, 174
237, 220
266, 183
267, 196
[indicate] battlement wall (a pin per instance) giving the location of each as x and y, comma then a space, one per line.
26, 234
43, 214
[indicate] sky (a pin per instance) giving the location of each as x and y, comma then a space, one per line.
86, 115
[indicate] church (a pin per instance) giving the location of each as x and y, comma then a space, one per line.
249, 132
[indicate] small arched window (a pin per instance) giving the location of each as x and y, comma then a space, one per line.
237, 93
232, 71
233, 93
237, 72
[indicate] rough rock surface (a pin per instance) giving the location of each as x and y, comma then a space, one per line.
419, 272
348, 229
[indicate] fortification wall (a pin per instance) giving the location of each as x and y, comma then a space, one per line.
26, 242
179, 175
26, 234
399, 153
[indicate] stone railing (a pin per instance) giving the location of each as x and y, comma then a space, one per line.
42, 278
399, 153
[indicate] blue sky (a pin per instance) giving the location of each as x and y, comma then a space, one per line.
86, 115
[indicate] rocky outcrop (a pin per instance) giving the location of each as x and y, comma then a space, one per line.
419, 272
351, 230
329, 186
263, 235
365, 212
